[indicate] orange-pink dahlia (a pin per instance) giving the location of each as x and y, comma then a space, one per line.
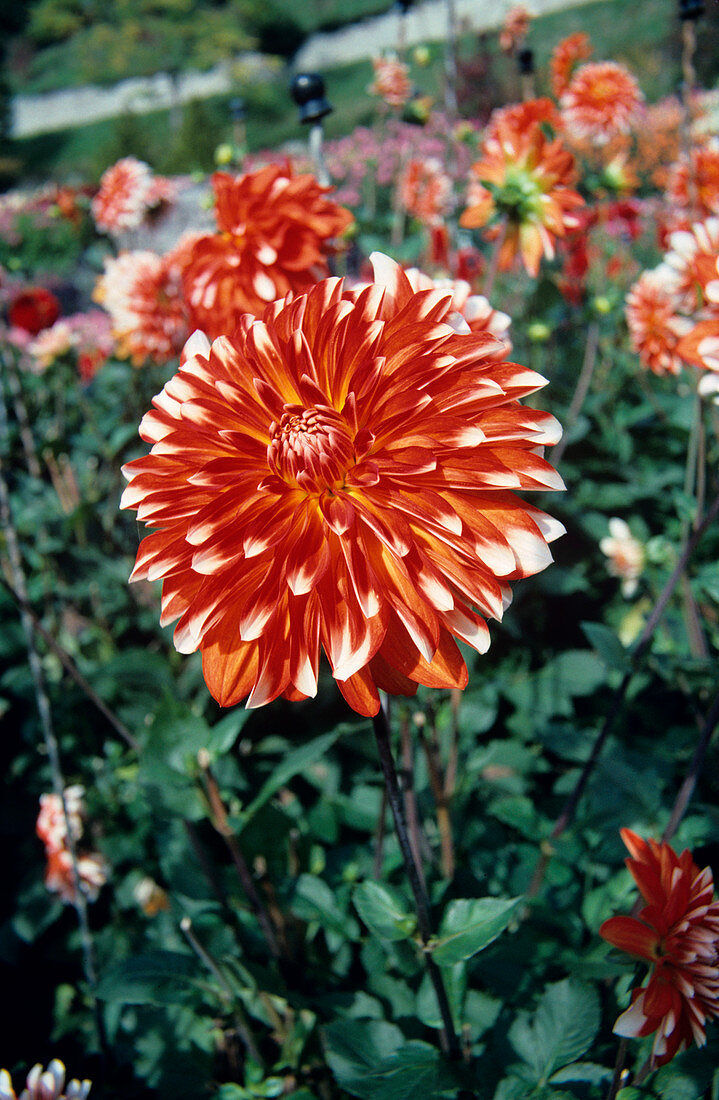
391, 80
523, 182
425, 190
693, 182
655, 326
602, 100
677, 933
340, 476
515, 28
274, 230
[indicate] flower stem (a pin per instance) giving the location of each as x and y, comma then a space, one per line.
583, 383
450, 1043
617, 701
618, 1070
687, 788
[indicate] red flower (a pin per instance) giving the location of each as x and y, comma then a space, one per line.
677, 932
34, 309
339, 476
274, 230
602, 100
523, 179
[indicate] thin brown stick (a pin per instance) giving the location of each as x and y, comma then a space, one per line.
379, 837
690, 781
448, 1036
617, 700
218, 816
69, 665
408, 791
430, 745
618, 1070
583, 383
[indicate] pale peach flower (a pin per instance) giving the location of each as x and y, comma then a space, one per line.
515, 29
625, 553
391, 80
602, 100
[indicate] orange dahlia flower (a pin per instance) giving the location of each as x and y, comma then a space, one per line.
692, 263
425, 190
576, 47
655, 328
677, 932
523, 182
339, 476
391, 80
693, 183
520, 116
602, 100
274, 228
515, 29
142, 292
122, 201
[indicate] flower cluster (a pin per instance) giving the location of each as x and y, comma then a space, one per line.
673, 310
391, 80
340, 476
84, 336
677, 933
52, 828
46, 1084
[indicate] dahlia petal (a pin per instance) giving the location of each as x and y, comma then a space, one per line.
230, 669
361, 693
630, 935
468, 626
632, 1023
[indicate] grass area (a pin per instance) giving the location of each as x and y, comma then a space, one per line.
646, 37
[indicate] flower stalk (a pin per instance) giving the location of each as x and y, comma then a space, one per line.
450, 1043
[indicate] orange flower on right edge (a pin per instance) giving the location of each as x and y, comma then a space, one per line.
677, 932
523, 179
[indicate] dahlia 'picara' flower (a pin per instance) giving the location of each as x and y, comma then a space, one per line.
520, 116
693, 183
425, 190
523, 179
602, 100
572, 49
122, 200
340, 476
273, 237
692, 263
473, 309
677, 933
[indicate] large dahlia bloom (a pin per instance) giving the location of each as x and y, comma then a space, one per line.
340, 476
601, 101
273, 237
677, 933
523, 180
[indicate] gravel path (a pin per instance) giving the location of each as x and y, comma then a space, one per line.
40, 114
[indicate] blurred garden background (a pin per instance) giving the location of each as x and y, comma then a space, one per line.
207, 900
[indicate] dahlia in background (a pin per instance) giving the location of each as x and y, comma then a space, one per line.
625, 553
425, 191
86, 336
274, 234
693, 182
601, 101
340, 476
523, 182
142, 292
655, 327
515, 29
128, 192
677, 934
473, 309
33, 309
46, 1084
391, 80
52, 828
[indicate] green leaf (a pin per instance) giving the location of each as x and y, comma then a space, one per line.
158, 978
607, 645
469, 925
371, 1060
581, 1071
562, 1029
292, 765
384, 911
313, 900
